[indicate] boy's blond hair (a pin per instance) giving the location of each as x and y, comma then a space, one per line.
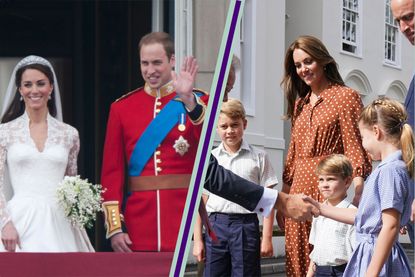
233, 109
335, 164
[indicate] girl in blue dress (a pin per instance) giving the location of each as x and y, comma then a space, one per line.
387, 196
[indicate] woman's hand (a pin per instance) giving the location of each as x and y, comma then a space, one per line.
280, 220
10, 237
279, 215
266, 247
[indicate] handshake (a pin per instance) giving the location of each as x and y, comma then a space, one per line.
230, 186
297, 206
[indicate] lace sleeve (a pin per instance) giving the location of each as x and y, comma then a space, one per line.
4, 215
72, 168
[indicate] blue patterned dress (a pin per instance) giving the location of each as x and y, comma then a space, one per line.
387, 187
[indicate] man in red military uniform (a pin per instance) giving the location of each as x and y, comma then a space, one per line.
150, 132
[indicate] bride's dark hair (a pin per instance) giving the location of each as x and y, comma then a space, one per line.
17, 107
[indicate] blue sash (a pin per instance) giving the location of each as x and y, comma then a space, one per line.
154, 134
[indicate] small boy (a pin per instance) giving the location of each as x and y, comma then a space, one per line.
239, 248
333, 241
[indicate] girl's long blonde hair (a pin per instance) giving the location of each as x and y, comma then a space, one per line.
391, 117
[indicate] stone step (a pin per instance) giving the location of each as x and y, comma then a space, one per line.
270, 266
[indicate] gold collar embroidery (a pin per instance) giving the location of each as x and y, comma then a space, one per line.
161, 92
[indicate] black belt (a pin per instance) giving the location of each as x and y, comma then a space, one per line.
341, 268
233, 216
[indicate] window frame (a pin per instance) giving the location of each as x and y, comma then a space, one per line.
358, 28
245, 49
391, 24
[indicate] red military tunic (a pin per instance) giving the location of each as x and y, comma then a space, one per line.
152, 216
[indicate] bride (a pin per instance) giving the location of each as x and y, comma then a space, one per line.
36, 151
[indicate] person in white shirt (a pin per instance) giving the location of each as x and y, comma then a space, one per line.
240, 247
333, 241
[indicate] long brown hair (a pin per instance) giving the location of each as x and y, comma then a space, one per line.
17, 107
292, 84
391, 117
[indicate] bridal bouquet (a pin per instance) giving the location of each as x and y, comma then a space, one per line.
80, 200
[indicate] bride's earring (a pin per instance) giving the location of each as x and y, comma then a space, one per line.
21, 98
49, 97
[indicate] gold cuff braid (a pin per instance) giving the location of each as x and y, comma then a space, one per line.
112, 218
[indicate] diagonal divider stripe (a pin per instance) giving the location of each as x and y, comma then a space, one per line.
205, 144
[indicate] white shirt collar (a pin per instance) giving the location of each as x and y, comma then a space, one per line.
244, 146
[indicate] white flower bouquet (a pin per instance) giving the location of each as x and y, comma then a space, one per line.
80, 200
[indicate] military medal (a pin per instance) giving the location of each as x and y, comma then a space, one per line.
182, 121
181, 145
181, 127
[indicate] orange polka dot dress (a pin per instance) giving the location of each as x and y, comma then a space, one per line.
328, 127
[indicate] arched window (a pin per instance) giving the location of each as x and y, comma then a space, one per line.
396, 90
357, 80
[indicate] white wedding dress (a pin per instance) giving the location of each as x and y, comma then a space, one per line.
34, 176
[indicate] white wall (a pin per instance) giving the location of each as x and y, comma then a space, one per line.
266, 127
209, 22
379, 75
303, 17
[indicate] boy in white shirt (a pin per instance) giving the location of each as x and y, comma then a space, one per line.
333, 241
239, 248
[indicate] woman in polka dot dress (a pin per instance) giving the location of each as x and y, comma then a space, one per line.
387, 196
323, 113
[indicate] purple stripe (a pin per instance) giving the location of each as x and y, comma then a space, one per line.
206, 142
